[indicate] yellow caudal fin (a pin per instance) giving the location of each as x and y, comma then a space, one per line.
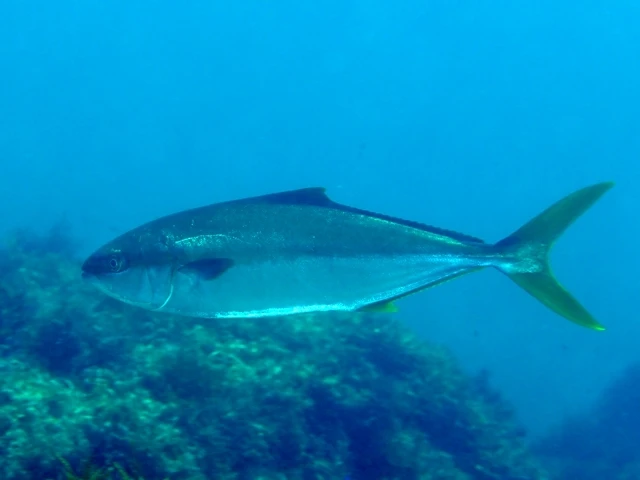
526, 254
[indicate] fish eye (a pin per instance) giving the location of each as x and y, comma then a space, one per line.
116, 263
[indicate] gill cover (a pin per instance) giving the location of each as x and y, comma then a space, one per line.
147, 287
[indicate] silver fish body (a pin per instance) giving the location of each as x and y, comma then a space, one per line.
299, 252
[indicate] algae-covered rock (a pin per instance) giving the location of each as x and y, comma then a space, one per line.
302, 398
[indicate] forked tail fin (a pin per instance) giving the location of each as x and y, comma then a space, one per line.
528, 252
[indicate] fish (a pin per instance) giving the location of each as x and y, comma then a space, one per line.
299, 252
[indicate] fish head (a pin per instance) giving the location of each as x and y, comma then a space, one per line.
132, 270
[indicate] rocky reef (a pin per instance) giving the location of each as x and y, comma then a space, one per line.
142, 395
603, 443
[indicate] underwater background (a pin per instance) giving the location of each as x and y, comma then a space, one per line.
464, 115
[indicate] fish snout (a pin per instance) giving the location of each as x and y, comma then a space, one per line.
86, 270
92, 266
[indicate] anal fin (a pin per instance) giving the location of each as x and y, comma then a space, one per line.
380, 307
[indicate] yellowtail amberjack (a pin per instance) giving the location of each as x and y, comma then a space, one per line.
298, 251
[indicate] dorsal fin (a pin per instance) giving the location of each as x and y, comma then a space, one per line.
316, 196
303, 196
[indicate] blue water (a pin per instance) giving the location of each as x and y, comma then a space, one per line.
470, 116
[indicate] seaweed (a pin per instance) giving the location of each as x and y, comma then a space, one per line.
89, 471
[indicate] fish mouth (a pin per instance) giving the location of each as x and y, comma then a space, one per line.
89, 277
85, 273
92, 267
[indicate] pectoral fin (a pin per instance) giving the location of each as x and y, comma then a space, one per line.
208, 268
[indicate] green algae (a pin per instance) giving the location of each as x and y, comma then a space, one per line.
308, 397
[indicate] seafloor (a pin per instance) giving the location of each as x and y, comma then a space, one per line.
92, 386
